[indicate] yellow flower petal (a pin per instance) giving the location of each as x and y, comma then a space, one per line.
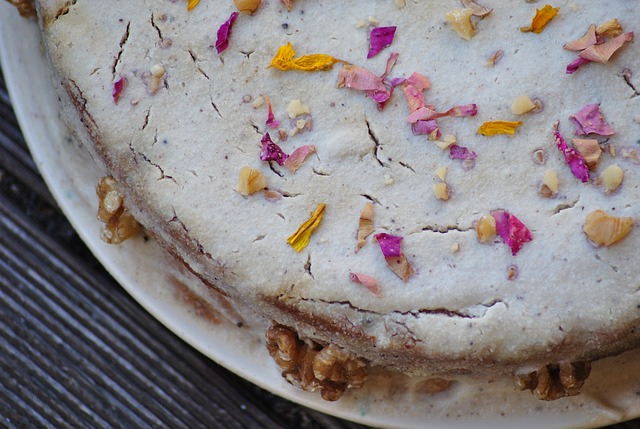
542, 18
301, 237
498, 127
284, 60
192, 4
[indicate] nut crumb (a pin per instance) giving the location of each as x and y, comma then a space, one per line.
441, 191
611, 178
296, 108
258, 102
455, 247
605, 230
486, 229
540, 156
549, 187
512, 272
26, 8
441, 173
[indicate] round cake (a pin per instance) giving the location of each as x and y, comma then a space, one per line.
435, 188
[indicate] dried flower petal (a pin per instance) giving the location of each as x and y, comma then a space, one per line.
461, 152
413, 88
271, 151
295, 160
478, 10
284, 60
118, 87
494, 58
590, 120
224, 32
602, 52
574, 65
574, 160
427, 112
301, 237
365, 225
288, 4
368, 282
355, 77
511, 230
380, 38
542, 18
493, 128
192, 4
426, 128
389, 244
584, 42
271, 120
400, 266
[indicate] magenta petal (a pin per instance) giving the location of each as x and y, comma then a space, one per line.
572, 157
271, 151
461, 152
511, 230
576, 64
222, 42
118, 87
590, 120
389, 244
380, 38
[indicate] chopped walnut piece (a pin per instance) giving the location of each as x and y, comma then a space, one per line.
605, 230
486, 229
549, 187
611, 178
555, 381
441, 191
247, 6
26, 8
310, 366
610, 28
119, 223
460, 20
590, 151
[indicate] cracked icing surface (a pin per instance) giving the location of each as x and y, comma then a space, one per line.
177, 154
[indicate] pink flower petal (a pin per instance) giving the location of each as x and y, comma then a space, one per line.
295, 160
602, 52
271, 151
118, 87
354, 77
367, 281
461, 152
584, 42
427, 113
426, 128
590, 120
574, 65
224, 32
380, 38
572, 157
389, 244
511, 230
271, 120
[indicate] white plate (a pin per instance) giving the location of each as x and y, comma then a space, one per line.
611, 394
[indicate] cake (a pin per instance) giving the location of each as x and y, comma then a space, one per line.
430, 188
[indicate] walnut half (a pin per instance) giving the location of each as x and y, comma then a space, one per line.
310, 366
26, 8
555, 381
119, 223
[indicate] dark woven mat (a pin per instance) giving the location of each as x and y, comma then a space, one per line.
77, 351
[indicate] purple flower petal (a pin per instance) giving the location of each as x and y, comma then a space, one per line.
380, 38
271, 151
118, 87
222, 42
389, 244
511, 230
590, 120
461, 152
572, 157
426, 128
